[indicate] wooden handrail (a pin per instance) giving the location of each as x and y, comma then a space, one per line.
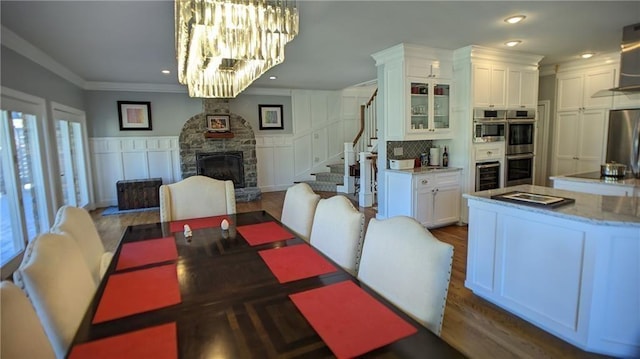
362, 107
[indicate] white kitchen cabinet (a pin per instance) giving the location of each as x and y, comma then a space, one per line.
522, 88
428, 107
576, 88
416, 93
431, 197
489, 85
579, 141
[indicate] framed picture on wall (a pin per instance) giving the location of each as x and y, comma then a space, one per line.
218, 123
134, 116
270, 117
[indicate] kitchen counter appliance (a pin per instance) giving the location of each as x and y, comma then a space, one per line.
488, 125
487, 175
520, 131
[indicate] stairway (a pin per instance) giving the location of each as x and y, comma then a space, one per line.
328, 181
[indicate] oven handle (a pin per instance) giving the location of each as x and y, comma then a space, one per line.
521, 120
488, 165
490, 120
520, 157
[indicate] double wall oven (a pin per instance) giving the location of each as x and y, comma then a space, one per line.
520, 137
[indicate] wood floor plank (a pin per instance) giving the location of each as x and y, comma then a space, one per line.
474, 326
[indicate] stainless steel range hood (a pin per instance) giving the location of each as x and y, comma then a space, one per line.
629, 80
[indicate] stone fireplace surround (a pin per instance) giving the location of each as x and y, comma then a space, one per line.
192, 141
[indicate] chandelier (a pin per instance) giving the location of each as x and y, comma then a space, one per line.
224, 45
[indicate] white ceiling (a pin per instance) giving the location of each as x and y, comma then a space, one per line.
130, 42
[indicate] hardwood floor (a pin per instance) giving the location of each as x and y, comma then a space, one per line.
474, 326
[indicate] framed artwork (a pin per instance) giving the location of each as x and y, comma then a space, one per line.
218, 123
134, 116
270, 117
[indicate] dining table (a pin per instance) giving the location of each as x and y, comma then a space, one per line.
252, 290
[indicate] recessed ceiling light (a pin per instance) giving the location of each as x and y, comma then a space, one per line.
587, 55
166, 72
512, 43
272, 77
514, 19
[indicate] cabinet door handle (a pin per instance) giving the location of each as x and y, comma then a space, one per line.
424, 181
489, 153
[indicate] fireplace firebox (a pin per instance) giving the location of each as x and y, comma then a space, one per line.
222, 166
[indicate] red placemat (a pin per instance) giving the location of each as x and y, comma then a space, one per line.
349, 320
136, 254
296, 262
197, 223
158, 342
138, 291
262, 233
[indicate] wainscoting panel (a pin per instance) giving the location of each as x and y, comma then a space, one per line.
127, 158
275, 162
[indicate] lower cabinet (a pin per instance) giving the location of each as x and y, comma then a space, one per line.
432, 198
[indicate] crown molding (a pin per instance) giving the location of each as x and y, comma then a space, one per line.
14, 42
134, 87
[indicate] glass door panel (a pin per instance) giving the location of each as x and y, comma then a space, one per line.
71, 157
22, 188
419, 106
441, 106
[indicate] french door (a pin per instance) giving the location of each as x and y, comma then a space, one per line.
71, 139
24, 195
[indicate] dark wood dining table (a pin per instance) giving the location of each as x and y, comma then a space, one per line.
232, 306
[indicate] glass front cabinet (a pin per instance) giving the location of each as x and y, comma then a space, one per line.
428, 110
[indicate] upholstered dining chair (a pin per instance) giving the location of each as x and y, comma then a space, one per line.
196, 196
337, 231
406, 264
299, 208
57, 281
22, 334
77, 223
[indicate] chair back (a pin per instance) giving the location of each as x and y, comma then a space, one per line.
337, 231
406, 264
299, 208
78, 224
196, 196
55, 277
21, 333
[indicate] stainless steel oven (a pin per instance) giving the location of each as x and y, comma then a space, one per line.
488, 125
518, 169
487, 175
520, 131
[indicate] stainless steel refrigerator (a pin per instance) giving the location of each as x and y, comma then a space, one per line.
623, 139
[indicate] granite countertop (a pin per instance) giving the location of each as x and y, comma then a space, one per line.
594, 177
590, 208
426, 169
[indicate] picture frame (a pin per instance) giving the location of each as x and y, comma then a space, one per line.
218, 123
134, 115
270, 117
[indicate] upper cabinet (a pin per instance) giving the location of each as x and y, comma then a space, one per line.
416, 90
522, 88
489, 85
576, 89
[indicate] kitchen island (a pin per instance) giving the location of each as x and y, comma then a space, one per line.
572, 270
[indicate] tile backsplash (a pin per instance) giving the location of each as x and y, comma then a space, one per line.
410, 149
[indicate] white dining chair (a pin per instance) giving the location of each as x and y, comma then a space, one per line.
196, 196
337, 231
57, 281
21, 333
77, 223
299, 208
406, 264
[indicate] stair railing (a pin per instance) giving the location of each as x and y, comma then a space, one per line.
368, 125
